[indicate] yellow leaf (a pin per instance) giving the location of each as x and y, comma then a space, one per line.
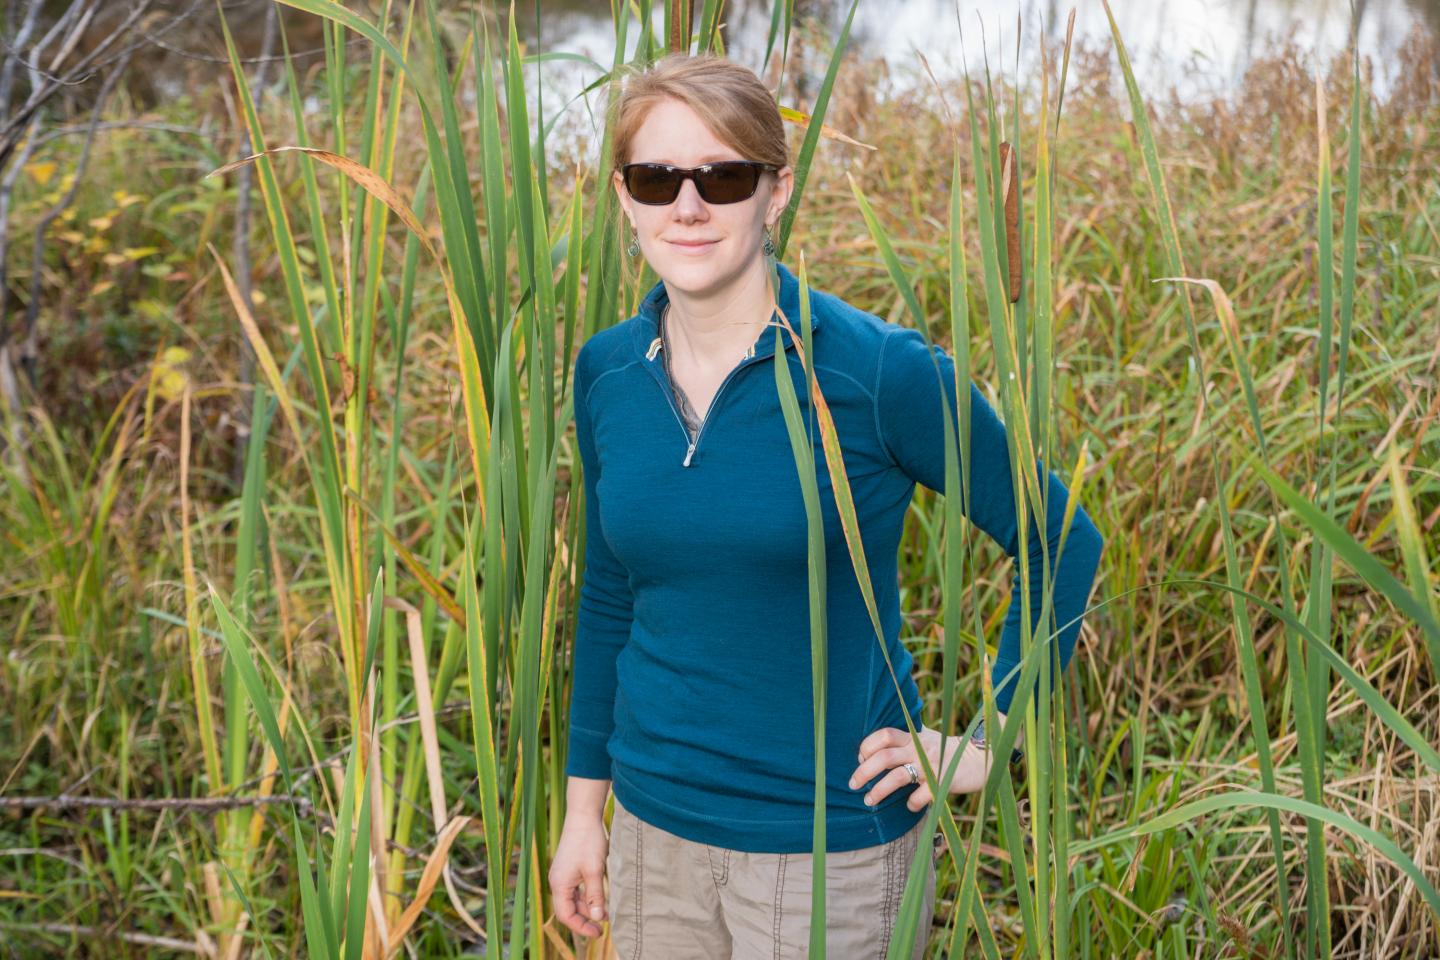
123, 198
113, 259
139, 253
101, 287
802, 119
168, 373
101, 223
73, 236
154, 309
257, 297
40, 172
168, 382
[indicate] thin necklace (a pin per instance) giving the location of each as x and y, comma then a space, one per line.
665, 339
689, 416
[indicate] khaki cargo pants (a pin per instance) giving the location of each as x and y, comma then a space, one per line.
673, 899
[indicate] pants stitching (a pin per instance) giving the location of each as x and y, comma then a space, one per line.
887, 919
639, 883
779, 902
723, 874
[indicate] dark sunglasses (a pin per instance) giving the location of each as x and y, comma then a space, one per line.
728, 181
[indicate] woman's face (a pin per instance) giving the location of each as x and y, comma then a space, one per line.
732, 232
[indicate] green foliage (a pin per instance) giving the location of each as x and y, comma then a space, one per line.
409, 509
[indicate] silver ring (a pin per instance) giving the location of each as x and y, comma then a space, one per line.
914, 774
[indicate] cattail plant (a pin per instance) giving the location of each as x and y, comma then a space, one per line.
460, 577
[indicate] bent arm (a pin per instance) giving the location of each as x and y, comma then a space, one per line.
914, 378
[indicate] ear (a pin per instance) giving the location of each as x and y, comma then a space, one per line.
780, 194
622, 195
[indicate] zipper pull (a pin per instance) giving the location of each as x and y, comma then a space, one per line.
688, 454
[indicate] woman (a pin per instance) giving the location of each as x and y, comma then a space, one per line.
692, 686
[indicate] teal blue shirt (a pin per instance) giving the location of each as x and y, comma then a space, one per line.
692, 672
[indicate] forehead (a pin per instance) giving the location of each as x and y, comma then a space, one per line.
674, 133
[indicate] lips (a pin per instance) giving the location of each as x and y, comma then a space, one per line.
694, 244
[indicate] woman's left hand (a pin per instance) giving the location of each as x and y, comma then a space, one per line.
890, 748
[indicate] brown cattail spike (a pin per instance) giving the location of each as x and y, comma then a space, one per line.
679, 26
1010, 187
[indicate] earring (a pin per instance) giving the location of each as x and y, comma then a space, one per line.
634, 246
767, 246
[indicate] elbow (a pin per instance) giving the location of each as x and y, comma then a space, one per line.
1082, 540
1082, 547
1089, 535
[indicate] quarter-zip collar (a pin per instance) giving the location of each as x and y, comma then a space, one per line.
647, 331
648, 344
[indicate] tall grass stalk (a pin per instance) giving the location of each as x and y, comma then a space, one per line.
507, 348
1020, 338
526, 276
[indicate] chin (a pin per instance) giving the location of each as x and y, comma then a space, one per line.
695, 278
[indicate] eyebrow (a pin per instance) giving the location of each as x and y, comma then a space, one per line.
708, 158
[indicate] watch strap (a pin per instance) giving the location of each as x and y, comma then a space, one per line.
980, 739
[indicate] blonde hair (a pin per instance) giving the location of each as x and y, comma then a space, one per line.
728, 97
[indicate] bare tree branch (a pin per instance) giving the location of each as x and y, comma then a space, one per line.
64, 801
17, 123
304, 808
102, 934
37, 257
242, 257
7, 70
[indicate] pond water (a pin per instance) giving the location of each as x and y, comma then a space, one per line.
1198, 48
1202, 47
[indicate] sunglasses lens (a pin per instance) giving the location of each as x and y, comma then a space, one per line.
652, 183
728, 182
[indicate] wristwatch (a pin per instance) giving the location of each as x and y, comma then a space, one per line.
978, 738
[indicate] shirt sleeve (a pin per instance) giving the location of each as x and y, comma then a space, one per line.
910, 380
606, 611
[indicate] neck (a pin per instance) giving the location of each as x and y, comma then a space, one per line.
712, 329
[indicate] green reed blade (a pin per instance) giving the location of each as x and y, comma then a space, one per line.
1412, 548
340, 853
1370, 569
1318, 645
324, 472
1297, 672
1236, 799
812, 136
359, 873
803, 448
319, 933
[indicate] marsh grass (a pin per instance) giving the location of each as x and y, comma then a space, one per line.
1240, 763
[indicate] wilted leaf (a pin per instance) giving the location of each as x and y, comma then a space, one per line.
40, 171
168, 373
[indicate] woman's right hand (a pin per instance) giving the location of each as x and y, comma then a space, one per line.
580, 863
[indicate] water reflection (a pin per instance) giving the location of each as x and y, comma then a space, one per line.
1200, 48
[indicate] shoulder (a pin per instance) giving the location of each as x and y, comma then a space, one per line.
860, 343
605, 351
